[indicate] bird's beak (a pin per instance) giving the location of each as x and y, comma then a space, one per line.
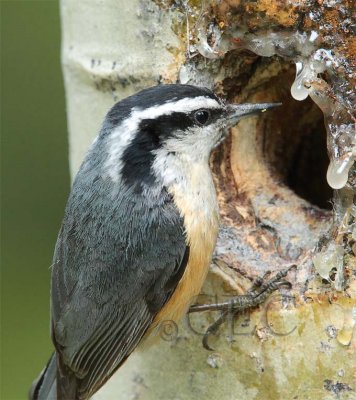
234, 112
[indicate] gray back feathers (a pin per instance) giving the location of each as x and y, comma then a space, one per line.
115, 254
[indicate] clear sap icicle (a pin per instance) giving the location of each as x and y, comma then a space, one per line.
307, 71
338, 172
341, 134
298, 90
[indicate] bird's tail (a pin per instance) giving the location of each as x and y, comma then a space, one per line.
45, 386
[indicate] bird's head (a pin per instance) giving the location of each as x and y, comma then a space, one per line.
167, 122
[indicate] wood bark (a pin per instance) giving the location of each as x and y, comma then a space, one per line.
270, 179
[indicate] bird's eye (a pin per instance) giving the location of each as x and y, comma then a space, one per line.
202, 116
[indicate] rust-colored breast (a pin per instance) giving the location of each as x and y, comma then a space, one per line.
197, 203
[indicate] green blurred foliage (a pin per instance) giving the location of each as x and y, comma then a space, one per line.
34, 184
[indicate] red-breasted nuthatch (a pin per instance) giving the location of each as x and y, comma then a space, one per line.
138, 233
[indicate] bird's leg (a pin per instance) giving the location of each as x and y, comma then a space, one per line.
213, 328
257, 294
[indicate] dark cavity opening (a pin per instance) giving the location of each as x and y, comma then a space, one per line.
294, 144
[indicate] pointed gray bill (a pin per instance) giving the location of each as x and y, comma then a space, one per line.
234, 112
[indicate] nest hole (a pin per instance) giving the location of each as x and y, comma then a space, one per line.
294, 144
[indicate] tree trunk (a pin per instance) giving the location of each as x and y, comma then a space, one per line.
270, 175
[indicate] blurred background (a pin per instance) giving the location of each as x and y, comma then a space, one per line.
34, 184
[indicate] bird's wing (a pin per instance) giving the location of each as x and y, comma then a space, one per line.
108, 285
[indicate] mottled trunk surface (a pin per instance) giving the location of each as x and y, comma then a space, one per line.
285, 181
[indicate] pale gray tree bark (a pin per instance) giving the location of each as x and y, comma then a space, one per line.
300, 343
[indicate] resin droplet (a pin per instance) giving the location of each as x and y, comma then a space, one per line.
344, 336
331, 257
204, 49
313, 36
338, 172
262, 46
184, 75
298, 90
215, 360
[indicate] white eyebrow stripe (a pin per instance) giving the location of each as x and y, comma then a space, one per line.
183, 105
123, 134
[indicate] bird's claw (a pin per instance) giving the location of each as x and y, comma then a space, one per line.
257, 294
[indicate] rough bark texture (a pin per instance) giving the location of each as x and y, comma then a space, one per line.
270, 178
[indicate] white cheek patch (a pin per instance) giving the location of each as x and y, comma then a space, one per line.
121, 137
173, 160
196, 143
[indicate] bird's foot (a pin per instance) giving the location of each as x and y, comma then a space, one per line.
257, 294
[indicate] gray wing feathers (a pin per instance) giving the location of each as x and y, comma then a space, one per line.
115, 350
44, 387
111, 266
